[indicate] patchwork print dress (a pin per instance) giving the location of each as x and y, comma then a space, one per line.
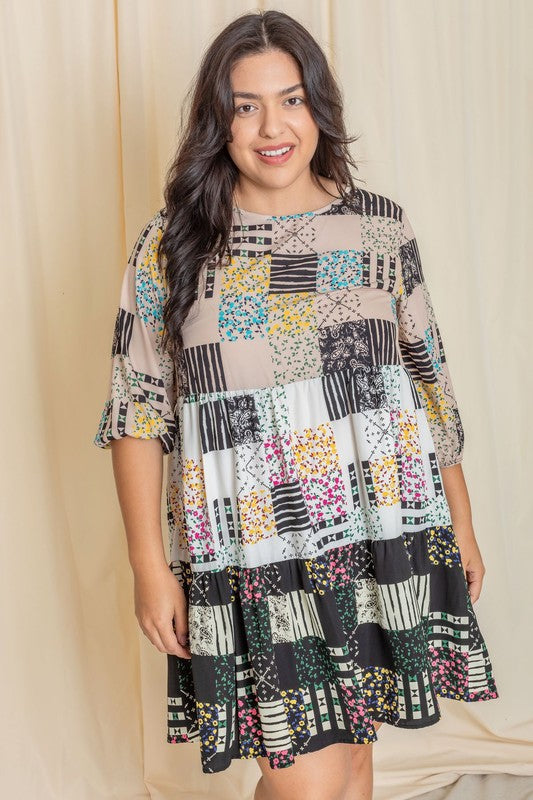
307, 420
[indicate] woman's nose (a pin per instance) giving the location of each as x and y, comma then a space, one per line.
271, 123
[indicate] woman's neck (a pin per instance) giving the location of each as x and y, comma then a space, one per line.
283, 203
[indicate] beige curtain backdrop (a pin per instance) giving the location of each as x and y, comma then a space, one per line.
440, 93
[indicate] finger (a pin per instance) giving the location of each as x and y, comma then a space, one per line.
180, 624
183, 640
184, 651
474, 588
182, 635
170, 640
181, 618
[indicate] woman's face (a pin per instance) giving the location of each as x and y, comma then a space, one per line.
268, 117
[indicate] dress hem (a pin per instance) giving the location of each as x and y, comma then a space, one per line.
333, 737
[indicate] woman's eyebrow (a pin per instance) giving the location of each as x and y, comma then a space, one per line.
251, 96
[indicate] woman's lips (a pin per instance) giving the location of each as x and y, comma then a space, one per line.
276, 159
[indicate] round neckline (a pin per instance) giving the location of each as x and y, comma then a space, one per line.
313, 213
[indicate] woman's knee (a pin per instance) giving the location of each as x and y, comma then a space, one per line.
361, 753
320, 775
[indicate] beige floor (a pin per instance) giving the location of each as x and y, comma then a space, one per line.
484, 787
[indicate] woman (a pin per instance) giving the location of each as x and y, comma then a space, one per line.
276, 337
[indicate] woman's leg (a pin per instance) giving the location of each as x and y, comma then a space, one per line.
337, 772
361, 783
320, 775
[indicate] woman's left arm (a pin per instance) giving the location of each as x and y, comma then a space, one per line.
423, 355
461, 514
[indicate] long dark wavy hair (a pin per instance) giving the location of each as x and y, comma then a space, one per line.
199, 184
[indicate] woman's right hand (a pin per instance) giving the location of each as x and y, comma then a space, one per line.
162, 610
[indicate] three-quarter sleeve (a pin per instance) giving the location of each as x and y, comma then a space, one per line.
423, 353
141, 395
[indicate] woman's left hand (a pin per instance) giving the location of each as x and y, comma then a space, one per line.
472, 562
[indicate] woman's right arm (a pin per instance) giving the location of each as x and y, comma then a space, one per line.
159, 599
138, 425
138, 472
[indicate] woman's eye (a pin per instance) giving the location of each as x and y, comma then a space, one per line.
249, 105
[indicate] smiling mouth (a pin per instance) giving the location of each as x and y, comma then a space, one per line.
275, 156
